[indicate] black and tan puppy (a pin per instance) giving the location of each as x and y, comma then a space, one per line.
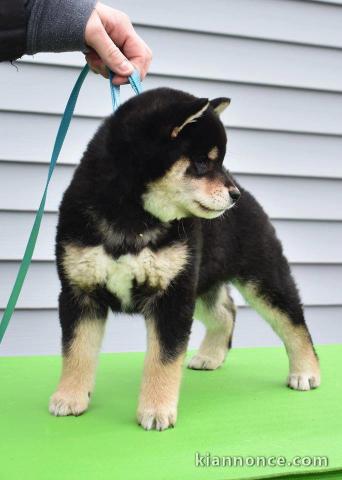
146, 226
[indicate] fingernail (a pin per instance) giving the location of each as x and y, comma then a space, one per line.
126, 67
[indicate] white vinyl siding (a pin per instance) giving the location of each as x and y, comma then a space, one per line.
280, 61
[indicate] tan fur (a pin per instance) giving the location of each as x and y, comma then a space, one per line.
78, 371
160, 386
190, 119
161, 267
165, 197
219, 321
213, 154
87, 267
212, 188
222, 106
176, 195
304, 366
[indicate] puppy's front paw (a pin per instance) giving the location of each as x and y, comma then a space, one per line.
65, 402
158, 419
206, 362
303, 381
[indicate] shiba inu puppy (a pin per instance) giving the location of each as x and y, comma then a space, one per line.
147, 226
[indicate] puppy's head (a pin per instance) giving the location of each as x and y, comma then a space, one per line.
179, 143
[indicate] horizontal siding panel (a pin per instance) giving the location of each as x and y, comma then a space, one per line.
178, 53
30, 137
248, 151
280, 20
15, 230
252, 106
37, 332
315, 242
296, 197
304, 242
42, 285
329, 2
21, 187
293, 21
279, 153
280, 63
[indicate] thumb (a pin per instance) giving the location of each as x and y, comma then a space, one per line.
110, 54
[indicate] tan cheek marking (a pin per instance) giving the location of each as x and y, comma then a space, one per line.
213, 154
174, 175
162, 194
177, 170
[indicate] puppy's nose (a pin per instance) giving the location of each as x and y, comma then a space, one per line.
234, 194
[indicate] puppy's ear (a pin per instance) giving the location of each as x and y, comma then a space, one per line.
190, 112
220, 104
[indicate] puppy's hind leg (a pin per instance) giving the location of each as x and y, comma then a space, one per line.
278, 303
217, 311
83, 320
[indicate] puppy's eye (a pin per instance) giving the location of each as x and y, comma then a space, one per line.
201, 159
201, 167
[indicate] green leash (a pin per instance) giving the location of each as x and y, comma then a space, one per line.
134, 80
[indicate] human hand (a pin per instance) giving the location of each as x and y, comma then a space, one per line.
115, 44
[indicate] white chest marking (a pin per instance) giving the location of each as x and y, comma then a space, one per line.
87, 267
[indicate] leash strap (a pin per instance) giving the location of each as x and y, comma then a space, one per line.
134, 80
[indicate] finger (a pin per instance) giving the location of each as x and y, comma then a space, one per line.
101, 70
147, 60
146, 67
118, 80
96, 65
138, 53
109, 53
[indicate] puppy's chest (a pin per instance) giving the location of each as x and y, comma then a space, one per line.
88, 267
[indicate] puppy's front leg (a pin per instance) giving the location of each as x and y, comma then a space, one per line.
167, 338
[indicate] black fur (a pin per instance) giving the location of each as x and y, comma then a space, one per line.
132, 148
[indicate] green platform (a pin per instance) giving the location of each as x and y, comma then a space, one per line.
242, 409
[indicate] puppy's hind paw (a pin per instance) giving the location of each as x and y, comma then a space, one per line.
205, 362
68, 403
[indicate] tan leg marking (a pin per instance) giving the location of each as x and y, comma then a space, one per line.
78, 371
304, 366
219, 320
160, 386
